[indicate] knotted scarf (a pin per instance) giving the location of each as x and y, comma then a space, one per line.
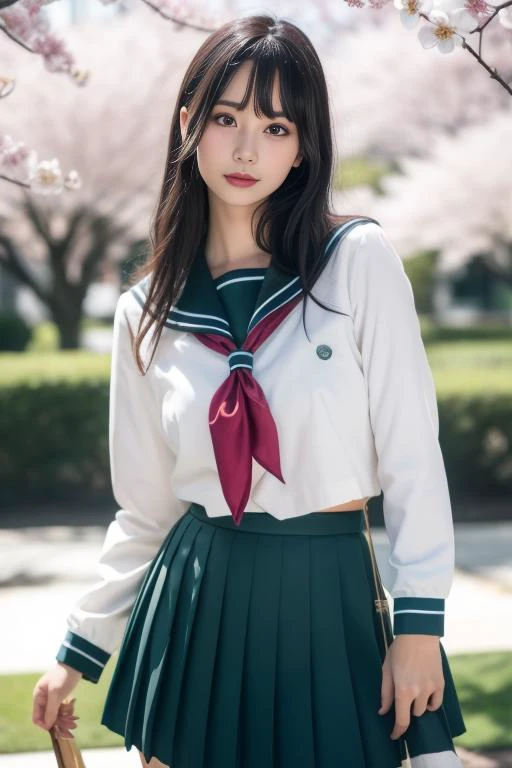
241, 423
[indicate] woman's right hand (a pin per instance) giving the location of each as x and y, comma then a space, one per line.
50, 691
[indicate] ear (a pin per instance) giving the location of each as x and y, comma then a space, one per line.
298, 160
184, 118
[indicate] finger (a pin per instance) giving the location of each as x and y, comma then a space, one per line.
420, 703
62, 722
52, 708
66, 712
436, 699
402, 714
387, 690
39, 706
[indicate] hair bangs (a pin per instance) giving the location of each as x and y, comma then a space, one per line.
269, 58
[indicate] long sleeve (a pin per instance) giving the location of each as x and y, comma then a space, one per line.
404, 418
141, 465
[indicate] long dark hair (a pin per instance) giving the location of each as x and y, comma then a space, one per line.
297, 218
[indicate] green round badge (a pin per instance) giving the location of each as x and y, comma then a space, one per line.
323, 351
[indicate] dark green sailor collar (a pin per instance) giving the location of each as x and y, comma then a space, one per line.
200, 310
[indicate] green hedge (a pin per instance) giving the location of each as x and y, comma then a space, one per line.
15, 332
475, 433
54, 440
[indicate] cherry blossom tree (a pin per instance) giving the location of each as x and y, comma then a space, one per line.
396, 101
451, 24
116, 128
117, 131
458, 199
24, 22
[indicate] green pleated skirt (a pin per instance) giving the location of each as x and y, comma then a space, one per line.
259, 646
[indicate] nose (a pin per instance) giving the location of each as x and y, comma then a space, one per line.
245, 148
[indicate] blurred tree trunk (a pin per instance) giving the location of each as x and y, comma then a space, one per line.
63, 297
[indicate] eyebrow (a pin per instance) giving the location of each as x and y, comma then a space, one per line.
237, 105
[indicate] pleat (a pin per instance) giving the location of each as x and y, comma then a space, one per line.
454, 720
130, 638
186, 576
259, 672
194, 707
433, 730
120, 693
294, 716
178, 557
382, 626
335, 712
222, 735
356, 599
164, 619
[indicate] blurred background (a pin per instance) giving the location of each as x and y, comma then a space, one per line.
424, 145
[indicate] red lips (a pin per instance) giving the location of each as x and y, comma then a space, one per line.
245, 176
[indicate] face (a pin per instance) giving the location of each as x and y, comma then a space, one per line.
236, 141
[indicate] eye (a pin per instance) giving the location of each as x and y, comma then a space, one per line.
215, 118
276, 125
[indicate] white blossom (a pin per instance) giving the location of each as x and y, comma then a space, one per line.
449, 22
410, 11
46, 177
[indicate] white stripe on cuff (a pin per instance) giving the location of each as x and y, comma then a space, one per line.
416, 610
87, 656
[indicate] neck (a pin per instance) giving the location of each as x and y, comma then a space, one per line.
230, 242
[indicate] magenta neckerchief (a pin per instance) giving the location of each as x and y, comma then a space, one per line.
241, 424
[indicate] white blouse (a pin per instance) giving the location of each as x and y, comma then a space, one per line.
357, 419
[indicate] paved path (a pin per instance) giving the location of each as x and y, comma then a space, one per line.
116, 757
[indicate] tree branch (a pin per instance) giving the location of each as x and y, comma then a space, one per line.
179, 22
5, 29
104, 233
36, 219
491, 70
15, 181
14, 263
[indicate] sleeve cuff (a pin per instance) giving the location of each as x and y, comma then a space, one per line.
83, 656
418, 616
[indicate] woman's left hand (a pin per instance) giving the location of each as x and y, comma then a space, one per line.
412, 673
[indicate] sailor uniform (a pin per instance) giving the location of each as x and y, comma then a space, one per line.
243, 616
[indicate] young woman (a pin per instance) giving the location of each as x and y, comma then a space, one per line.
248, 429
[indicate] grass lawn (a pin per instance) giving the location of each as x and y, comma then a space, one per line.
471, 367
44, 367
483, 680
